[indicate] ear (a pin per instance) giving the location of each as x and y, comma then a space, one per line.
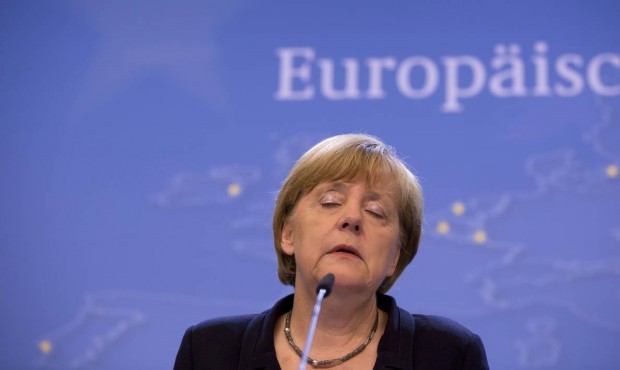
393, 262
287, 239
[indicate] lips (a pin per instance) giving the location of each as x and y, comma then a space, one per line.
346, 249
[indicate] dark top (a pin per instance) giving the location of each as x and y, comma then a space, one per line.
409, 342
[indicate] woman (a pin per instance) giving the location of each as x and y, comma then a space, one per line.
352, 208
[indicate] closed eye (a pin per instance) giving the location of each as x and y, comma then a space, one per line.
330, 200
375, 213
375, 209
329, 204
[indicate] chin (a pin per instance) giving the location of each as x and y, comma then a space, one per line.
349, 282
348, 277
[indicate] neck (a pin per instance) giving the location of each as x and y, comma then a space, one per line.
345, 321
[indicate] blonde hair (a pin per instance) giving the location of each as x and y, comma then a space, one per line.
346, 157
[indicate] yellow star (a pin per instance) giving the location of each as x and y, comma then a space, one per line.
45, 346
458, 208
443, 227
612, 171
234, 190
480, 237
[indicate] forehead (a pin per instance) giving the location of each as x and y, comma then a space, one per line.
380, 187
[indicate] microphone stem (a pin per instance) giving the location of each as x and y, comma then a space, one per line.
310, 336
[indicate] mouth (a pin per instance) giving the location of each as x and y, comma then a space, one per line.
345, 249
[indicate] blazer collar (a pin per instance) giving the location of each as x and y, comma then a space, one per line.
396, 344
257, 349
394, 350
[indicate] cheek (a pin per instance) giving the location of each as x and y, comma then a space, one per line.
394, 255
394, 260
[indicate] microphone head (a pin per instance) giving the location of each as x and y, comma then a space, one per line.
326, 283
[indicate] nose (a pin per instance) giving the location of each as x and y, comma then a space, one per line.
351, 220
351, 226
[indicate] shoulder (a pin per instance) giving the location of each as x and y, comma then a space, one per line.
439, 340
225, 332
427, 342
231, 326
441, 328
214, 341
226, 342
427, 328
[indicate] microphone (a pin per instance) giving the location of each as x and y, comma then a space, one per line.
326, 283
322, 290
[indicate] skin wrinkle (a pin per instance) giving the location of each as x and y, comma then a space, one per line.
312, 204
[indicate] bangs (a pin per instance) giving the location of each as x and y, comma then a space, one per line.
374, 163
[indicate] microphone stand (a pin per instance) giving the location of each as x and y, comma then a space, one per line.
323, 290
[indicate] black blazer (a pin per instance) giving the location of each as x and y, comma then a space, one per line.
412, 342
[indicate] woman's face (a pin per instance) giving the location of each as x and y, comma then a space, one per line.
347, 228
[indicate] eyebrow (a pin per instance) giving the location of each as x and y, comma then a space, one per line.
338, 185
342, 185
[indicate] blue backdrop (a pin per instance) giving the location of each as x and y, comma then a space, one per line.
142, 144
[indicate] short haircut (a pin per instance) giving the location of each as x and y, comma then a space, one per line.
344, 158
